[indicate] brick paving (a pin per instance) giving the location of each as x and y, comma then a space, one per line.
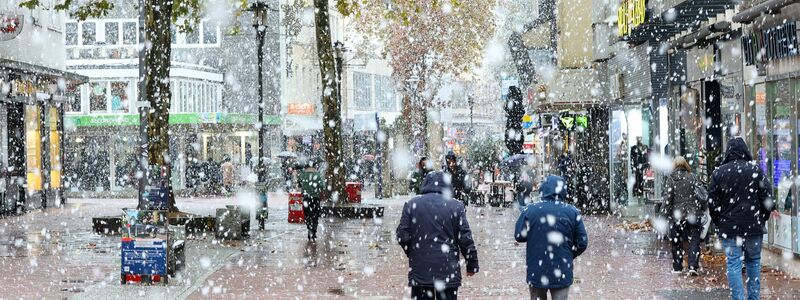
353, 259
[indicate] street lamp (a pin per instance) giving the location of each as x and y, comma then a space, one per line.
412, 84
259, 10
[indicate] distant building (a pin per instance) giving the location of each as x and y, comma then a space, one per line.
214, 104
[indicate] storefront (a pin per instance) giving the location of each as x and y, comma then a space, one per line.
105, 146
772, 90
31, 115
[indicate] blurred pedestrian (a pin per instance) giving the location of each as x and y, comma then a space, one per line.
416, 178
740, 205
685, 204
228, 174
554, 235
639, 164
311, 185
433, 232
457, 177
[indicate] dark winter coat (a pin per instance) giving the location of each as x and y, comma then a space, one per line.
433, 231
681, 197
739, 194
554, 234
415, 184
458, 181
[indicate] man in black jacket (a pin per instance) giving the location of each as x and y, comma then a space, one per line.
740, 205
433, 231
458, 177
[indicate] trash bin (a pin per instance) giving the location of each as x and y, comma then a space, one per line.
296, 214
353, 190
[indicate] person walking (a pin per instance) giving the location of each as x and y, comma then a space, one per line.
740, 206
433, 232
311, 185
416, 178
555, 235
457, 177
638, 164
685, 204
228, 174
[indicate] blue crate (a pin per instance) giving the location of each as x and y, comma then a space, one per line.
144, 256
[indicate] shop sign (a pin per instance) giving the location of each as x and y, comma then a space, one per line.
300, 109
22, 88
631, 13
10, 26
527, 121
762, 46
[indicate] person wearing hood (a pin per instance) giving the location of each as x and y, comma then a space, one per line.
555, 235
740, 205
684, 207
433, 232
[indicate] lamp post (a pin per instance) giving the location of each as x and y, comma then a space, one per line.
412, 83
259, 10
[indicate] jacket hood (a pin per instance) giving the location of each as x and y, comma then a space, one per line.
737, 150
436, 182
554, 188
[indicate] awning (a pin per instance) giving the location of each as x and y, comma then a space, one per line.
685, 15
701, 36
36, 70
767, 7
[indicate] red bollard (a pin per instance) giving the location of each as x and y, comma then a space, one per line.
296, 214
353, 192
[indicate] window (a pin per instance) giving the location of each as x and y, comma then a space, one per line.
129, 33
73, 94
71, 34
384, 93
112, 33
193, 37
97, 97
119, 96
362, 84
88, 32
173, 33
210, 32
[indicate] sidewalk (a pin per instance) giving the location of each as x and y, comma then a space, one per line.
53, 254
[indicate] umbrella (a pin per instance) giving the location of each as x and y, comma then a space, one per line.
517, 160
287, 154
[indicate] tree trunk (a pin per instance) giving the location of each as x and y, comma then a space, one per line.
331, 104
157, 53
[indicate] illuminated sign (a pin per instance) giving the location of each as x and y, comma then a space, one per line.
300, 109
631, 13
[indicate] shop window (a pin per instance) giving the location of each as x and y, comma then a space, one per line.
33, 148
88, 33
129, 33
55, 149
71, 34
210, 32
385, 93
362, 83
97, 97
112, 33
119, 97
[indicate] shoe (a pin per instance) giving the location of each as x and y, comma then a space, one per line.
693, 273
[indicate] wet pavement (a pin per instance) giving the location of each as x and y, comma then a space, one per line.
54, 255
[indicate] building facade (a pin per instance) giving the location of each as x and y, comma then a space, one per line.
34, 82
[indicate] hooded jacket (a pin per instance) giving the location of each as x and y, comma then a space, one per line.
739, 194
680, 200
433, 232
554, 234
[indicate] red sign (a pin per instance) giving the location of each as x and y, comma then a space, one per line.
300, 109
10, 26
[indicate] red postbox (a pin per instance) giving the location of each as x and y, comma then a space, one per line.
296, 214
353, 192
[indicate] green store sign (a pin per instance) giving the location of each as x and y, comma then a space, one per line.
174, 119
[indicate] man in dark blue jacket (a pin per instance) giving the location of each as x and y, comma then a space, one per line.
433, 231
740, 205
555, 235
